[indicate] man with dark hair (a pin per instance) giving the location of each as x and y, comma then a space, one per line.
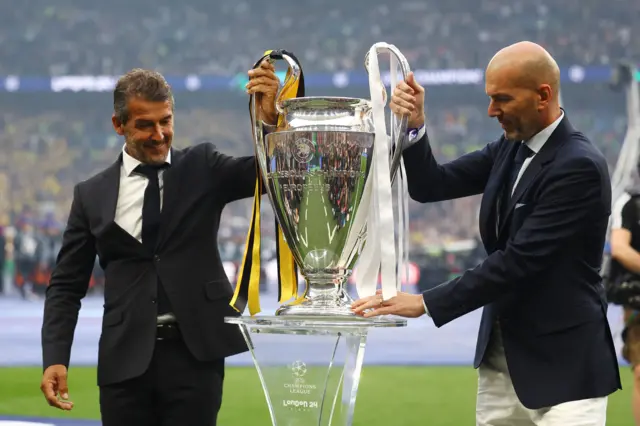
152, 219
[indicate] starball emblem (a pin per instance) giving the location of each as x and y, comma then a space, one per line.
299, 369
303, 150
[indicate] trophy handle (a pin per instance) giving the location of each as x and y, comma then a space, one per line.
401, 131
259, 128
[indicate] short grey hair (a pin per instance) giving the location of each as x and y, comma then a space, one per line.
145, 84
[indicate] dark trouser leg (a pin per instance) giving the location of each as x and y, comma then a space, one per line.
189, 391
130, 403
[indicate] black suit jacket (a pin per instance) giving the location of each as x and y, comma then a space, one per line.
197, 186
541, 280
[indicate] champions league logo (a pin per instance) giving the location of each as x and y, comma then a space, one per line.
299, 369
300, 389
302, 150
299, 386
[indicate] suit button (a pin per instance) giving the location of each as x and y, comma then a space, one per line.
153, 301
156, 258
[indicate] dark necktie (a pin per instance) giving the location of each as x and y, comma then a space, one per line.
151, 222
522, 154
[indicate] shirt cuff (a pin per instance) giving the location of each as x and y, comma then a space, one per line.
414, 136
426, 310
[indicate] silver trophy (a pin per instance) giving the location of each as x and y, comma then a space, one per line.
315, 165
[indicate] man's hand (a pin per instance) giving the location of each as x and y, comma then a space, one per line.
264, 83
403, 304
54, 383
408, 100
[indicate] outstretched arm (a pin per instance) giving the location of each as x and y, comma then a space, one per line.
569, 204
427, 180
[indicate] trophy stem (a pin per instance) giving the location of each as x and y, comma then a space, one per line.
325, 295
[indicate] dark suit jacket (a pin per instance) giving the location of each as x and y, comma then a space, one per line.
197, 186
541, 280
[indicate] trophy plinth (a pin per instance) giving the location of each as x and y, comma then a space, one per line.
309, 368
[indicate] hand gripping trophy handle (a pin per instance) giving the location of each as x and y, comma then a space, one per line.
293, 87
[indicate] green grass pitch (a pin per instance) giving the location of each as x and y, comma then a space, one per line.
388, 396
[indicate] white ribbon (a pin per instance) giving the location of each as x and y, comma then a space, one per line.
379, 254
402, 193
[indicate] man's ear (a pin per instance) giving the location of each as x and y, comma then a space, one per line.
545, 94
117, 125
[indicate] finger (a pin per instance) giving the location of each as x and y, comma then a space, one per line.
63, 389
262, 72
399, 94
261, 81
263, 88
64, 405
404, 105
266, 64
361, 301
398, 110
404, 88
385, 310
370, 304
411, 81
49, 391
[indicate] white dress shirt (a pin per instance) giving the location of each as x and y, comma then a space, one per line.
131, 195
535, 144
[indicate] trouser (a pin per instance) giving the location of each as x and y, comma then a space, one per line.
175, 390
498, 405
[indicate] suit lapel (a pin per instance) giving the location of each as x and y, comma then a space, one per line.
170, 196
489, 206
108, 191
543, 157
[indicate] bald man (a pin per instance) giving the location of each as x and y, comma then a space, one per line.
545, 352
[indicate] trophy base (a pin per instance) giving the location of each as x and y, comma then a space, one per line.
309, 368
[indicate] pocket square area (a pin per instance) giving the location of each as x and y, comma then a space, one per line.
518, 205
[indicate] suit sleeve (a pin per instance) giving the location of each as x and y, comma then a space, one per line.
237, 174
567, 207
68, 285
429, 181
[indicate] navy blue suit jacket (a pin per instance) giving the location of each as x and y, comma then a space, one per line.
540, 282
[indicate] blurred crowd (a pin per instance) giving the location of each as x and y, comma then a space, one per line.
46, 150
222, 37
45, 155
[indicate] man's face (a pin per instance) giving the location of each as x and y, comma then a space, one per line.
148, 133
516, 106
